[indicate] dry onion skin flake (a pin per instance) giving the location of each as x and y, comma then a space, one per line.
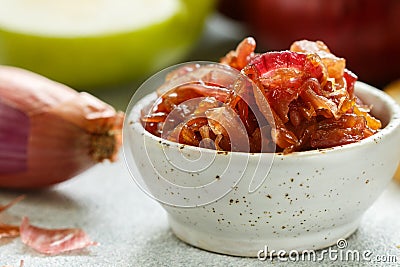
44, 240
7, 230
53, 241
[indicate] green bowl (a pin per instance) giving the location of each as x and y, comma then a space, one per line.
101, 60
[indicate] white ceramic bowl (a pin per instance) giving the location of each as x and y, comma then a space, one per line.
308, 200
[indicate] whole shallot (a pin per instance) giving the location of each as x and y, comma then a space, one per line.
50, 132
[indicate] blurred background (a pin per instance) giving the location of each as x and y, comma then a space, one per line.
365, 32
113, 63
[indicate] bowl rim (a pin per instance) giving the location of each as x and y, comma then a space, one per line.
131, 121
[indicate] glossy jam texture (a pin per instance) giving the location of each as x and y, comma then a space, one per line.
303, 99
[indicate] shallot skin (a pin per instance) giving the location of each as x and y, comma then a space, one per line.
53, 241
49, 132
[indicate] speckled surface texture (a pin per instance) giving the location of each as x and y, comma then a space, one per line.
132, 229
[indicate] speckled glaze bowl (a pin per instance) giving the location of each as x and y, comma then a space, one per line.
308, 200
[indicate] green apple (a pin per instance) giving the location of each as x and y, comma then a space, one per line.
97, 43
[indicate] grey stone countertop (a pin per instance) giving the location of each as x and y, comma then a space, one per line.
132, 229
